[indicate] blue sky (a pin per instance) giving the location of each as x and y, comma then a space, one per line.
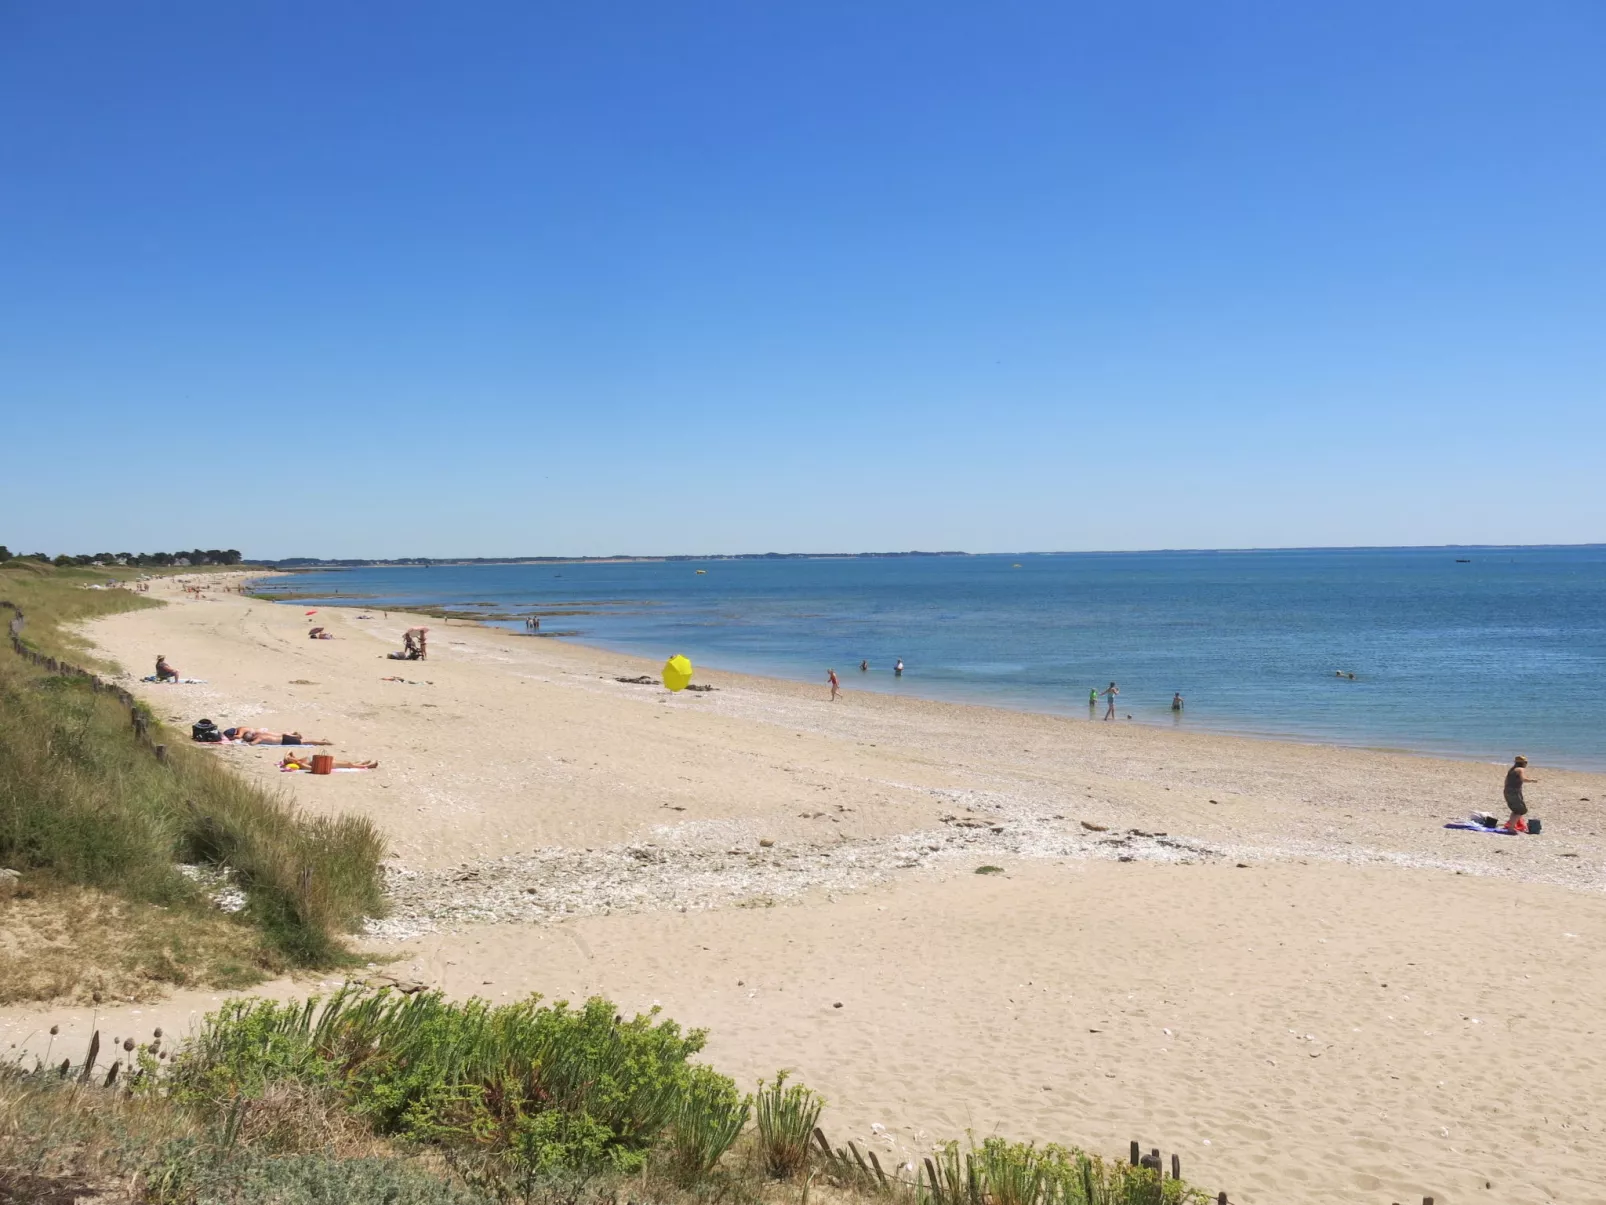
499, 279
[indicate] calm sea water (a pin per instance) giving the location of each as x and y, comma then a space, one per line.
1504, 653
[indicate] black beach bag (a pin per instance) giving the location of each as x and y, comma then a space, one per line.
206, 731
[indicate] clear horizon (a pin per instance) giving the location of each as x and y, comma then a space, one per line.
285, 279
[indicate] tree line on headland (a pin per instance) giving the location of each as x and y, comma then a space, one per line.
196, 556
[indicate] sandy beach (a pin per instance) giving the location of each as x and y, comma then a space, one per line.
1269, 957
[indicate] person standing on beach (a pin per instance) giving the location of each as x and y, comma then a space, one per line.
1092, 697
1515, 777
1110, 695
836, 687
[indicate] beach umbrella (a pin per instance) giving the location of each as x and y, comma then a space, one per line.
677, 672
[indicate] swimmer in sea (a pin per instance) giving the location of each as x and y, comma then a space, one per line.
1176, 701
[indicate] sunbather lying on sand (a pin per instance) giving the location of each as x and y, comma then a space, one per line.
261, 736
292, 762
320, 634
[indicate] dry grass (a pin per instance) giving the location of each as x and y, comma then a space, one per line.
65, 943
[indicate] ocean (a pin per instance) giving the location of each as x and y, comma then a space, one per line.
1465, 652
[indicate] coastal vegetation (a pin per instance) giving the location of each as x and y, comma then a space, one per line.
119, 853
195, 557
381, 1097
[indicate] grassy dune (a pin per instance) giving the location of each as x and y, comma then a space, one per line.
85, 807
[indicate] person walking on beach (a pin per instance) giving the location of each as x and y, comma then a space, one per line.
836, 687
1110, 695
1515, 777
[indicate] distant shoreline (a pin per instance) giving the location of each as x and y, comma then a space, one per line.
293, 563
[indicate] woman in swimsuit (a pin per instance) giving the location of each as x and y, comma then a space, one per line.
1110, 695
292, 762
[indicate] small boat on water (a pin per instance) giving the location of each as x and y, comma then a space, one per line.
702, 571
1463, 560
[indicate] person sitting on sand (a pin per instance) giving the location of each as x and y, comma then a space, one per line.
292, 762
320, 634
164, 671
261, 736
1515, 777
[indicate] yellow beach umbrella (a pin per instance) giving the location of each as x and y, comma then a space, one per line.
677, 672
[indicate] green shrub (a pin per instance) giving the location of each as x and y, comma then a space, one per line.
708, 1120
786, 1121
1006, 1173
576, 1089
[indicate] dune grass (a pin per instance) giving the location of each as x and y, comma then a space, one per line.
84, 801
54, 599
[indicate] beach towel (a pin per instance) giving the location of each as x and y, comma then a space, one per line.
1468, 827
174, 681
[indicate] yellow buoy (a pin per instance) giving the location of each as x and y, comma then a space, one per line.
677, 672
